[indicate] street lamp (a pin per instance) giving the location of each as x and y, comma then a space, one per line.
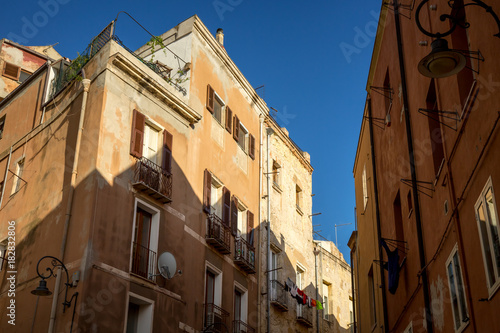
442, 61
42, 289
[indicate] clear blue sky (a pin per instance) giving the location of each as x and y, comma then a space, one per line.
313, 58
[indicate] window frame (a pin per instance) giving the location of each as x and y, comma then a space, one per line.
462, 317
365, 187
298, 198
243, 301
326, 299
141, 301
220, 101
2, 125
276, 174
496, 270
246, 134
216, 186
209, 267
154, 232
17, 178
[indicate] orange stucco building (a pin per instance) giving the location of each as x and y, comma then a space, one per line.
425, 177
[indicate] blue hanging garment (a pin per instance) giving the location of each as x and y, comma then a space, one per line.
392, 267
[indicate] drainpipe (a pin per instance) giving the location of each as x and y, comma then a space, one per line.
270, 132
259, 280
420, 236
354, 298
86, 86
316, 251
377, 214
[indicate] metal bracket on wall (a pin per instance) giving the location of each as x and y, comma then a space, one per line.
473, 55
421, 186
406, 6
379, 122
437, 114
387, 92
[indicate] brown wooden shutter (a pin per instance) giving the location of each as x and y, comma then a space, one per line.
210, 99
229, 119
234, 216
236, 128
251, 150
166, 162
138, 122
250, 227
11, 71
207, 188
226, 210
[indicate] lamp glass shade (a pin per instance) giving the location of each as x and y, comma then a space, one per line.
42, 289
441, 62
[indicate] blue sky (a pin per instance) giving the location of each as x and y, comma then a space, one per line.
313, 58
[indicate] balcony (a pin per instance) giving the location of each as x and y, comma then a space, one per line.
218, 234
305, 315
143, 261
153, 180
215, 319
241, 327
244, 255
279, 296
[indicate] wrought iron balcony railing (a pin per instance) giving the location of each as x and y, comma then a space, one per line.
305, 315
278, 295
143, 261
241, 327
218, 234
153, 180
215, 319
244, 255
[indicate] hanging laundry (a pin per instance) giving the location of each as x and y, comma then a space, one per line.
392, 266
319, 306
313, 303
291, 287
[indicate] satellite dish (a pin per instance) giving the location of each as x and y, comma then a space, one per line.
167, 265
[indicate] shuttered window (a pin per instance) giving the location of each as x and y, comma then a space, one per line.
236, 128
229, 120
226, 210
251, 150
250, 227
210, 99
234, 216
137, 137
11, 71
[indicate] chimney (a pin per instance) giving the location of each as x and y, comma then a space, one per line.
219, 36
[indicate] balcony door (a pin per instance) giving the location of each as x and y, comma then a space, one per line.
142, 235
150, 144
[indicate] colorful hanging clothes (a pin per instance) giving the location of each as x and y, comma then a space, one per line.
319, 306
291, 287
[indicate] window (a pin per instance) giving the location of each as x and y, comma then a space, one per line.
213, 295
457, 294
242, 221
139, 314
24, 75
365, 188
2, 125
299, 281
240, 306
242, 138
150, 143
145, 240
276, 174
326, 297
214, 104
18, 176
144, 142
487, 222
216, 197
298, 196
11, 71
371, 291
